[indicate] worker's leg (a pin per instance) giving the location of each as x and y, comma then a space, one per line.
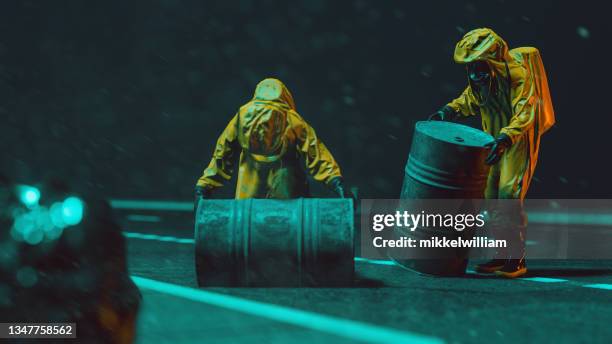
494, 224
514, 176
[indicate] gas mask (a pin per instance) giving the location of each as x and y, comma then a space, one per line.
480, 76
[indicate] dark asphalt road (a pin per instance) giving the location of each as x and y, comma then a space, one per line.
551, 305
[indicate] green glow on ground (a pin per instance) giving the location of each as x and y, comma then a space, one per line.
599, 286
544, 279
165, 238
337, 326
561, 218
151, 205
375, 261
143, 218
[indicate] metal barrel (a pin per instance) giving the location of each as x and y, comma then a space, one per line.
266, 243
446, 161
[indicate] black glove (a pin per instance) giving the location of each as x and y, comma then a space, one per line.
200, 193
498, 147
337, 186
446, 113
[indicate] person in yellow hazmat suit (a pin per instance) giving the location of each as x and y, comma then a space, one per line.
509, 90
277, 147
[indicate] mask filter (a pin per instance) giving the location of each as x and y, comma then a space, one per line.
480, 76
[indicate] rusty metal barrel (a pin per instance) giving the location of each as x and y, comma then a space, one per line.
274, 243
446, 161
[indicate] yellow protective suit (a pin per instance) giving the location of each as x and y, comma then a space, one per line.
276, 148
519, 106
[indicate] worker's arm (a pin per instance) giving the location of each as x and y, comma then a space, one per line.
318, 160
464, 105
523, 110
221, 167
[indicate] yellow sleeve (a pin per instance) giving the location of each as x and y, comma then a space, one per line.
221, 167
317, 158
465, 104
523, 111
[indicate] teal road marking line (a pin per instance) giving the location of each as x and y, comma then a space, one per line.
375, 261
544, 279
599, 286
345, 328
164, 238
143, 218
529, 279
151, 205
563, 218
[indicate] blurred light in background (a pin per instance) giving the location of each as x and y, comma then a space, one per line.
72, 211
37, 223
28, 195
56, 214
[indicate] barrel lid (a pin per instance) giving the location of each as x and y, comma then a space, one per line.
454, 133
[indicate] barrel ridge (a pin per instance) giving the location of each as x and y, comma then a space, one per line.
438, 178
300, 238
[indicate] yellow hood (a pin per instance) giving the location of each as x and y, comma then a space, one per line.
263, 120
481, 45
273, 90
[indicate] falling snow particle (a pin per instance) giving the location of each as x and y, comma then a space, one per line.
348, 100
583, 32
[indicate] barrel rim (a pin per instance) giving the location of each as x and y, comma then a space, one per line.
472, 130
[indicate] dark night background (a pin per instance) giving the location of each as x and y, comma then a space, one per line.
127, 98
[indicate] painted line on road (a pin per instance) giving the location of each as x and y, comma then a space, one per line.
375, 261
544, 279
529, 279
151, 205
564, 218
164, 238
599, 286
345, 328
143, 218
